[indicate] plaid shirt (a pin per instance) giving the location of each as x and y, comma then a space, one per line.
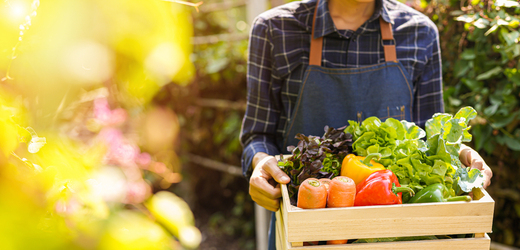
279, 55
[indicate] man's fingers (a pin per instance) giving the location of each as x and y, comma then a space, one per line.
275, 172
271, 205
261, 186
265, 198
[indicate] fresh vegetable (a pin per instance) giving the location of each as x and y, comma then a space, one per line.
326, 183
409, 238
392, 139
336, 242
418, 163
312, 194
359, 168
436, 193
316, 157
445, 134
342, 192
380, 188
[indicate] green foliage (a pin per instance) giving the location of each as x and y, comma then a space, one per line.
481, 60
486, 75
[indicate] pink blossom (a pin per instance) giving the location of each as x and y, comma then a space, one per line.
102, 112
119, 116
137, 192
64, 207
143, 159
124, 153
120, 151
111, 136
107, 117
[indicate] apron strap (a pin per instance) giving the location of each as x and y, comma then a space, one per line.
316, 43
386, 35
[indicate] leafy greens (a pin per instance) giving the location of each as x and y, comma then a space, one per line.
317, 157
418, 157
418, 163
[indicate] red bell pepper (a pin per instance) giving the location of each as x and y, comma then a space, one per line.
380, 188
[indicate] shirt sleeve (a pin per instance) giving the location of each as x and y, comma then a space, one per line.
262, 112
429, 94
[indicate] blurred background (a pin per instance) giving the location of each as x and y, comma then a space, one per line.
119, 120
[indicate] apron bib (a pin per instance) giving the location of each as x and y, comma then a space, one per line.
330, 96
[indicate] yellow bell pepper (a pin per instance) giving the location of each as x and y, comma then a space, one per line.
359, 168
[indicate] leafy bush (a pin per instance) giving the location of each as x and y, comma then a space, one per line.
480, 42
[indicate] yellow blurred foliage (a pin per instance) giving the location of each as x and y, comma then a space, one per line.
135, 46
65, 188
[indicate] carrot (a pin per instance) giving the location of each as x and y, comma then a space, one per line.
312, 194
336, 242
326, 182
342, 192
311, 243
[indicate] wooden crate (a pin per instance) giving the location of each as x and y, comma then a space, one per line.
295, 225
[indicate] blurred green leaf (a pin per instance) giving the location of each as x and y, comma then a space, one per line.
491, 110
491, 30
466, 18
490, 73
481, 134
454, 101
468, 54
509, 37
481, 23
513, 75
462, 68
217, 65
500, 121
472, 84
512, 143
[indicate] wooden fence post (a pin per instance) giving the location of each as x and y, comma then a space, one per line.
254, 8
262, 215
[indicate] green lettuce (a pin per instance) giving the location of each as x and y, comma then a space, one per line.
392, 139
416, 162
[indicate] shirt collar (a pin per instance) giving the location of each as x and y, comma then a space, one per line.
325, 25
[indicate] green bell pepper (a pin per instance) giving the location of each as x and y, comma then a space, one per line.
436, 192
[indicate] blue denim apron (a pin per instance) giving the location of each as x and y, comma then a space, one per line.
331, 96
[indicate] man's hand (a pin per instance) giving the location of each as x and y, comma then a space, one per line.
470, 157
266, 174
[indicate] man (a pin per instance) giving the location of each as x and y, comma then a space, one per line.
324, 62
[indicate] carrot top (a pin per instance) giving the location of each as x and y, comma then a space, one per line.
312, 194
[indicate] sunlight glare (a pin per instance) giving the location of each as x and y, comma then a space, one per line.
18, 10
165, 61
89, 62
